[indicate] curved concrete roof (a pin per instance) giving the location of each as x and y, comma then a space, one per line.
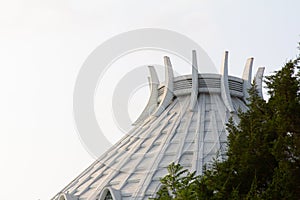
176, 132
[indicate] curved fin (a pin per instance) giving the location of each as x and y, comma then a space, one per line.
225, 94
194, 92
152, 102
258, 80
247, 74
168, 90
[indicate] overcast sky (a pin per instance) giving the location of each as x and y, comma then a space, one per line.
44, 43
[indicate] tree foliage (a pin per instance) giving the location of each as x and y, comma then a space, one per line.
263, 157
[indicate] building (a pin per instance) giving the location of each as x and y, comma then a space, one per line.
183, 122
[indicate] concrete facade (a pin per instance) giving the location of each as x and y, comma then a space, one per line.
183, 122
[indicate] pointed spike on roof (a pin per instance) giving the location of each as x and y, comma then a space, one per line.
194, 61
168, 89
194, 93
153, 74
225, 93
169, 76
167, 61
152, 102
149, 82
258, 80
224, 66
247, 74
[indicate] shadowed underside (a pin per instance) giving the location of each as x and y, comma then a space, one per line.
183, 122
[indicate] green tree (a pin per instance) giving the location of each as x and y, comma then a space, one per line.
178, 184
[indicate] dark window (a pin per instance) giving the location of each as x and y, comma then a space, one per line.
108, 196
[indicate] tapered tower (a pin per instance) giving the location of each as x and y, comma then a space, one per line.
184, 122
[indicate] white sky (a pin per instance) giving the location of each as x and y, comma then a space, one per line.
44, 43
